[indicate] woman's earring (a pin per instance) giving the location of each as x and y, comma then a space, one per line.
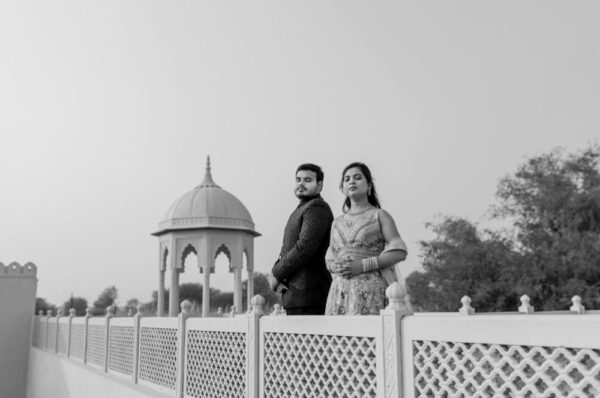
369, 192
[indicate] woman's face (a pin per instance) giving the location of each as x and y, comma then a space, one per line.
355, 184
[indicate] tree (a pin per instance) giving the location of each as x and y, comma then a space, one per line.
131, 305
42, 305
554, 200
552, 252
261, 286
78, 303
107, 298
460, 260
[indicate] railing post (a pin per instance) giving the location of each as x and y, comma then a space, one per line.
71, 316
48, 316
186, 311
252, 367
110, 312
391, 317
136, 341
88, 315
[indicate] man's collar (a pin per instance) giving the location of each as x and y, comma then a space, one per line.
305, 200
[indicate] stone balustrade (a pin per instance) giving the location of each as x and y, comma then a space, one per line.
394, 354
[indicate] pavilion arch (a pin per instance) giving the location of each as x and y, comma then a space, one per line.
223, 249
189, 249
206, 221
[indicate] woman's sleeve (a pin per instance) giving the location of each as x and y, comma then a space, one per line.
330, 255
395, 243
390, 233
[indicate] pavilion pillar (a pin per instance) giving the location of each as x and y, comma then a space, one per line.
160, 311
250, 287
174, 293
206, 292
237, 289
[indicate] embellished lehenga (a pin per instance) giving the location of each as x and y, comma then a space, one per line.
358, 236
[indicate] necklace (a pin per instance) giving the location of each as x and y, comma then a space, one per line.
359, 211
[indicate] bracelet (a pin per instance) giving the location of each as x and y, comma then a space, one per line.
370, 264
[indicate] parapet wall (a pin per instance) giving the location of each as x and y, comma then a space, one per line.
462, 354
17, 304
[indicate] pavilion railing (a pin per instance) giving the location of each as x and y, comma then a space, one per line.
524, 354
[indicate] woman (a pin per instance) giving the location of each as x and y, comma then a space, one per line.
364, 247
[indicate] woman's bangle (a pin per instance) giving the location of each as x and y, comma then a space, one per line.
370, 264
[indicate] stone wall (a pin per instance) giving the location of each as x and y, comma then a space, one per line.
17, 304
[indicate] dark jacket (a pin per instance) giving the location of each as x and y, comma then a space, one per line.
301, 264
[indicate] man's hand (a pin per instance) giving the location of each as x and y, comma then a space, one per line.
273, 283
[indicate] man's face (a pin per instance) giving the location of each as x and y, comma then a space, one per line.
307, 185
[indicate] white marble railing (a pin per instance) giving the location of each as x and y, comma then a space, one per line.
463, 354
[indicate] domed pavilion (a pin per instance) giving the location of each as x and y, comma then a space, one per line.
206, 221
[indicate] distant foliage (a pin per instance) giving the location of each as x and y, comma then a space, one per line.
42, 305
261, 286
78, 303
551, 253
107, 298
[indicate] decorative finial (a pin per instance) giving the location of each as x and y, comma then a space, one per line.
577, 307
525, 307
258, 303
208, 181
466, 308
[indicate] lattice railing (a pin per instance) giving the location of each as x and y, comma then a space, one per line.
444, 355
62, 339
36, 333
304, 365
120, 346
96, 336
158, 354
299, 360
51, 334
216, 360
492, 370
77, 341
502, 356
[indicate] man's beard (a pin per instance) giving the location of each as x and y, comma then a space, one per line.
305, 195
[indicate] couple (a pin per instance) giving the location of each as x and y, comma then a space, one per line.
359, 250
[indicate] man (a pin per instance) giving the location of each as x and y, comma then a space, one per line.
300, 273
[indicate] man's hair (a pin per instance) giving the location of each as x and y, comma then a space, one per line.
312, 167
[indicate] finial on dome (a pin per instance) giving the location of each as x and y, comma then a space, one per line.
208, 181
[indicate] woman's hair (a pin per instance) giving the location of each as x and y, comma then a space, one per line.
371, 197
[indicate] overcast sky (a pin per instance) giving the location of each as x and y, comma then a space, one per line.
109, 109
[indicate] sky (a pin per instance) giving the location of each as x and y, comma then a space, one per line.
109, 109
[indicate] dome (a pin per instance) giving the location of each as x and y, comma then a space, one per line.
207, 206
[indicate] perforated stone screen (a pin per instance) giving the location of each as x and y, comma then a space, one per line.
51, 335
120, 349
308, 365
447, 369
63, 337
216, 364
77, 340
158, 356
36, 336
96, 347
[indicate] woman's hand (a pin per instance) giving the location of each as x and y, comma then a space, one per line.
349, 268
